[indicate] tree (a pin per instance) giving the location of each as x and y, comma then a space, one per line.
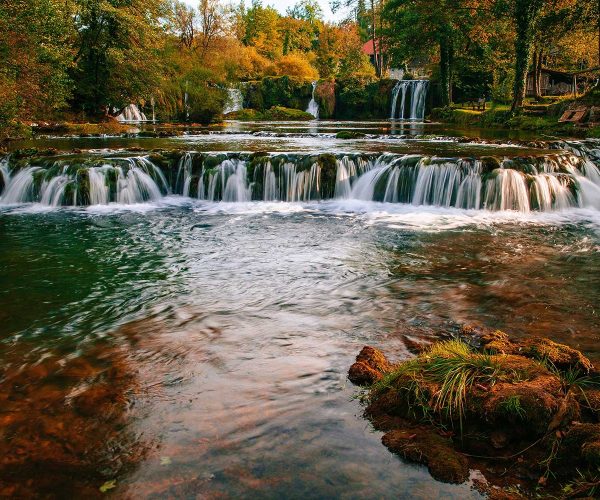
306, 10
35, 59
184, 20
525, 14
116, 60
212, 19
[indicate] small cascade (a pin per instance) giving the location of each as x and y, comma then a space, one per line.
4, 174
507, 190
235, 101
554, 181
132, 113
53, 190
226, 182
20, 188
412, 95
313, 107
99, 191
184, 174
59, 183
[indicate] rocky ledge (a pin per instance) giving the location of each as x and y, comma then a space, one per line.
524, 413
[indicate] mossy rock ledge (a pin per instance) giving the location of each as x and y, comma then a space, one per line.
524, 413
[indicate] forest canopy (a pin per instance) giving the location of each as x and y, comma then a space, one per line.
91, 58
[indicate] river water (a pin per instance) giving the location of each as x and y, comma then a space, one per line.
195, 349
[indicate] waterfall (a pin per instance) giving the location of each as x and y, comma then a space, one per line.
413, 93
53, 190
20, 187
554, 181
313, 107
132, 113
184, 172
99, 191
4, 174
226, 182
235, 101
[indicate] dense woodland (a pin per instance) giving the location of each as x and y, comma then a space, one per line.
83, 59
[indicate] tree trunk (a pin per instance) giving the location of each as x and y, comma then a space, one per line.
538, 75
382, 59
526, 13
445, 72
373, 38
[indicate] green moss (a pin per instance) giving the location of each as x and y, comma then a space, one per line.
348, 134
276, 113
328, 164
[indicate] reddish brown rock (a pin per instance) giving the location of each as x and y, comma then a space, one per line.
428, 448
370, 366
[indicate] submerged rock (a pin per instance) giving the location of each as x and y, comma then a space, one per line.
559, 355
430, 449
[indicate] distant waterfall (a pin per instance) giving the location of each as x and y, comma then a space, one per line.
554, 181
235, 101
132, 113
313, 107
411, 95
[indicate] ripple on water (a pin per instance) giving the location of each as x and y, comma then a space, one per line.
211, 341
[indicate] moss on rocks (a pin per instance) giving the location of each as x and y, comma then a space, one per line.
370, 366
464, 403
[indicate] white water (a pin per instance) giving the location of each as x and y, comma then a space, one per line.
554, 182
132, 113
313, 107
412, 94
235, 101
20, 187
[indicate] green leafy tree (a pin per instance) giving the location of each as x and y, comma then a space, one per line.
117, 44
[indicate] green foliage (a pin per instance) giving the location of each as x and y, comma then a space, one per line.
511, 407
116, 52
286, 91
438, 380
276, 113
456, 372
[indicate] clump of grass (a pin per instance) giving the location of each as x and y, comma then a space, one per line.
452, 368
512, 406
456, 374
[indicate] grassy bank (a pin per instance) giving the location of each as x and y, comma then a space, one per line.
276, 113
541, 119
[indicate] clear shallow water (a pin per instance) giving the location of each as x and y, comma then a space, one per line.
188, 348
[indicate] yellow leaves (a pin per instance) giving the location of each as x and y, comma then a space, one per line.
108, 485
296, 65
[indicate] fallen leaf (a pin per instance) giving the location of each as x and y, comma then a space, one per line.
108, 485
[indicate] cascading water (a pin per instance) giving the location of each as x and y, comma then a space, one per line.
132, 113
235, 101
554, 181
313, 107
412, 93
120, 180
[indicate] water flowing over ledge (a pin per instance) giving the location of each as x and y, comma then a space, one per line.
558, 180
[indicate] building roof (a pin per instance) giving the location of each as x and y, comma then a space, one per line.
367, 48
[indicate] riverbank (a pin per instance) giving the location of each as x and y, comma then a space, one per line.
539, 117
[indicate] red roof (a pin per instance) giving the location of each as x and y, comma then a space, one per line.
367, 48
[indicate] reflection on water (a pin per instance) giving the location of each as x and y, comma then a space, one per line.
194, 349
